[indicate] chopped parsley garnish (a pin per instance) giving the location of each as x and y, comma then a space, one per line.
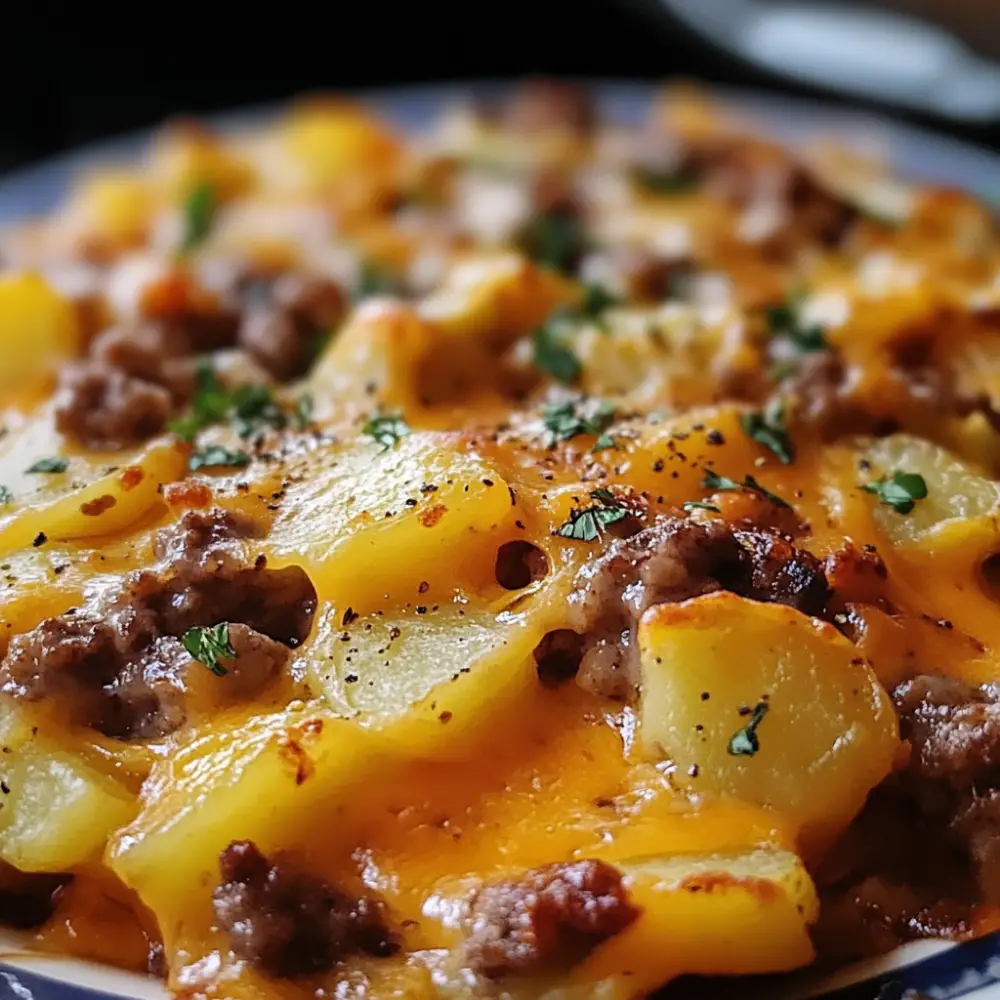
5, 496
553, 355
744, 742
767, 428
209, 404
208, 644
587, 523
375, 279
665, 180
199, 209
303, 413
251, 408
215, 456
596, 298
900, 491
49, 465
698, 505
554, 239
788, 327
713, 481
386, 429
568, 419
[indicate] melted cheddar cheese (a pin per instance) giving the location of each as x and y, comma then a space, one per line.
530, 559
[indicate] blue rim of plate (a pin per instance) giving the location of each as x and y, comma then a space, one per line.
965, 969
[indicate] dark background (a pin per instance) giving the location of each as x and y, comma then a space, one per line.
71, 74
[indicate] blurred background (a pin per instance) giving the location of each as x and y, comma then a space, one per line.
75, 73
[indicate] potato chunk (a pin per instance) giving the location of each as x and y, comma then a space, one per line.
363, 518
84, 501
954, 490
435, 674
59, 812
38, 329
759, 702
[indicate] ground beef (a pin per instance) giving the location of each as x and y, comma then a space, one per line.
549, 919
120, 668
875, 916
671, 561
290, 923
953, 729
750, 174
284, 333
925, 850
104, 408
161, 353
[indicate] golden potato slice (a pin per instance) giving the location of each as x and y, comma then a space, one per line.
759, 702
38, 329
955, 490
489, 301
362, 519
59, 811
83, 500
436, 673
701, 914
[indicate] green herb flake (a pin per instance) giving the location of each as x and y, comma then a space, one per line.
604, 443
209, 405
216, 456
552, 355
597, 299
698, 505
250, 408
665, 180
199, 211
587, 523
787, 325
744, 742
48, 465
304, 407
208, 644
900, 491
767, 428
554, 239
386, 429
6, 496
571, 418
376, 279
713, 481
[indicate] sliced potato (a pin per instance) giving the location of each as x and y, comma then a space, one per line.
261, 778
822, 734
700, 914
59, 811
38, 329
437, 674
87, 499
373, 357
361, 519
489, 301
955, 490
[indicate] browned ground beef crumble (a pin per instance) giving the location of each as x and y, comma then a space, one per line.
548, 919
670, 561
291, 923
120, 668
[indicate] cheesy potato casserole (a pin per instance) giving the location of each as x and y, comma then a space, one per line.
534, 558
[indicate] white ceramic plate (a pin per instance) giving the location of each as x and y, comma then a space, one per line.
941, 971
